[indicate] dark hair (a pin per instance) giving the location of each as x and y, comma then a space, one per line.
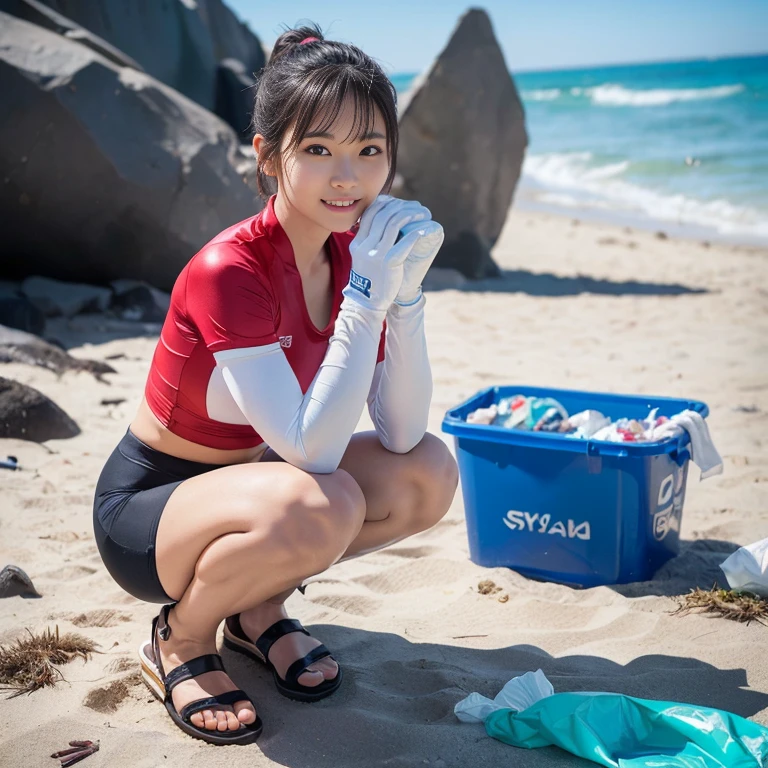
301, 81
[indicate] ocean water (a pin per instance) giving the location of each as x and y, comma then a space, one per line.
680, 145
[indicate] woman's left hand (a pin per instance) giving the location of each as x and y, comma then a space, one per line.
419, 259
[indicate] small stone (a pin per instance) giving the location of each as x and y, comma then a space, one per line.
14, 582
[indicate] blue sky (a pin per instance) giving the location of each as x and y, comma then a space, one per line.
405, 35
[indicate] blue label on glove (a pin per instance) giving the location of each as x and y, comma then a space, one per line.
360, 283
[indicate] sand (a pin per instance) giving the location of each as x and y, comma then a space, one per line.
582, 305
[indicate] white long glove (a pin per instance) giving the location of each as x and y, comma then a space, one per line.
312, 430
377, 254
402, 387
419, 259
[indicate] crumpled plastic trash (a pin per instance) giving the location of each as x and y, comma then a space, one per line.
513, 411
543, 414
483, 415
519, 694
747, 568
615, 730
586, 423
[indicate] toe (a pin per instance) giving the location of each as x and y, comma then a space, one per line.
221, 721
197, 720
232, 722
311, 678
210, 720
330, 669
245, 712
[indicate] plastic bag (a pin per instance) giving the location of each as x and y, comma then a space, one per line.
747, 568
621, 731
624, 732
518, 694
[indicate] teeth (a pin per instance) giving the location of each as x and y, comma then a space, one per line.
339, 203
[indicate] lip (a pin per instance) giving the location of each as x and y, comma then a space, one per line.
338, 208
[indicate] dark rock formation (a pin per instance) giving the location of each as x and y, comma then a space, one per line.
462, 141
179, 43
234, 95
15, 583
107, 173
54, 298
21, 347
20, 313
134, 300
27, 414
37, 12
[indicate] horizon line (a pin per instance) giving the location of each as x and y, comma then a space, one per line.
614, 65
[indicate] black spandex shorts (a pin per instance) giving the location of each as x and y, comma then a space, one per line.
131, 494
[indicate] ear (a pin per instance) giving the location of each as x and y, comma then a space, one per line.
258, 143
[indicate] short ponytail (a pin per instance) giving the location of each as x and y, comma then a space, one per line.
293, 38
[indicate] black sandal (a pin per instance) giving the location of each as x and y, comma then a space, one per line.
162, 685
236, 640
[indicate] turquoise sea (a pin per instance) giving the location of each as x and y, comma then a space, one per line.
678, 145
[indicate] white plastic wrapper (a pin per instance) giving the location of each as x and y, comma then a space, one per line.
747, 568
518, 694
483, 415
587, 423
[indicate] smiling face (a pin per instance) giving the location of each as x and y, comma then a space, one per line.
336, 171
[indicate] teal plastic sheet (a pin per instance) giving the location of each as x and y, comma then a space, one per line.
624, 732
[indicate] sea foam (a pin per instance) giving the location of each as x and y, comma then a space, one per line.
615, 95
611, 94
571, 180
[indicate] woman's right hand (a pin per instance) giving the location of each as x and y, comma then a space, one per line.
377, 261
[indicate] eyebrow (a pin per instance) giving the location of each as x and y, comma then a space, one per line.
325, 135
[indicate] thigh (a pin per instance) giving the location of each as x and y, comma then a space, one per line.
280, 506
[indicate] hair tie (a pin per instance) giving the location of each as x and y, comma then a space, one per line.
309, 40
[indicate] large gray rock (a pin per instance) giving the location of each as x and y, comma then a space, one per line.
38, 13
231, 38
27, 414
107, 173
168, 38
179, 42
462, 142
234, 96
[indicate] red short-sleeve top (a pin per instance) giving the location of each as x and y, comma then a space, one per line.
241, 290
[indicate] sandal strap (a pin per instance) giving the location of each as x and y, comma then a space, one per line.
222, 700
300, 665
210, 662
160, 628
275, 632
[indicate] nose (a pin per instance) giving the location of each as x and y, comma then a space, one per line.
344, 176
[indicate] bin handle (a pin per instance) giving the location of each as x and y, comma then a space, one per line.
680, 457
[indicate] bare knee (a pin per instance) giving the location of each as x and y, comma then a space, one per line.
434, 472
323, 515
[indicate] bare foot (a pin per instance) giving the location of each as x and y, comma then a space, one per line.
288, 648
175, 651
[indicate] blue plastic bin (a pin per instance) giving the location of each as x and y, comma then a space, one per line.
580, 512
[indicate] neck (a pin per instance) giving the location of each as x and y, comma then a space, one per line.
306, 236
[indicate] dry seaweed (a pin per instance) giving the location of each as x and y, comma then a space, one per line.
28, 663
737, 606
